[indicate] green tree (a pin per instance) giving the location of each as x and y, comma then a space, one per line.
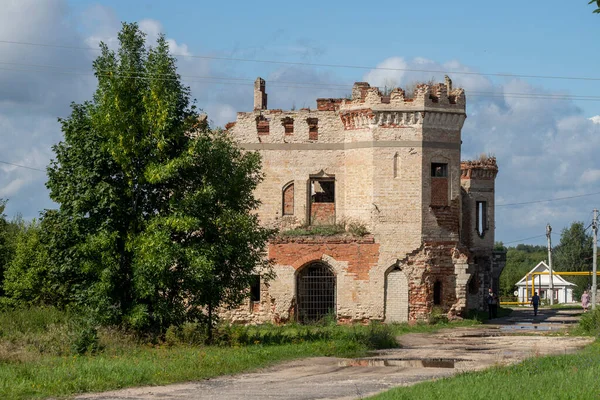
26, 276
519, 261
574, 253
597, 10
5, 250
156, 223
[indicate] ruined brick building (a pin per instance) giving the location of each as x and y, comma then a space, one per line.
390, 163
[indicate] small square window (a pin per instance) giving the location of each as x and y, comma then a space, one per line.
439, 170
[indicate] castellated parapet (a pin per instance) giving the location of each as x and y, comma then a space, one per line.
387, 162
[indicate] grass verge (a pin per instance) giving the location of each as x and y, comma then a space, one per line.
38, 352
572, 376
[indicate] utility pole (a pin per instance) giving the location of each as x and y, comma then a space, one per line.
595, 229
548, 232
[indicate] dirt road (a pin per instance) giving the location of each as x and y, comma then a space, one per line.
422, 357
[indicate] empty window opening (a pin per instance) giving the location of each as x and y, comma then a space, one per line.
313, 128
439, 184
262, 125
288, 125
322, 201
474, 285
439, 170
481, 217
288, 199
315, 292
396, 166
255, 288
437, 293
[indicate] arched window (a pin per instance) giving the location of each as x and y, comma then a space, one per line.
288, 199
437, 293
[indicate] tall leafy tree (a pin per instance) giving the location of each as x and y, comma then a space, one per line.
574, 253
156, 223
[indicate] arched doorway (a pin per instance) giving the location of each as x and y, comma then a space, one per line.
315, 292
396, 296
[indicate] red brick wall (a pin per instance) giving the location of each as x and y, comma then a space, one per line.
361, 254
288, 200
439, 191
322, 213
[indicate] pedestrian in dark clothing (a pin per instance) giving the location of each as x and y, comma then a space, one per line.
535, 302
492, 303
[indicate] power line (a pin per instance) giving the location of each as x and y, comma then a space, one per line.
522, 240
280, 84
547, 200
21, 166
238, 59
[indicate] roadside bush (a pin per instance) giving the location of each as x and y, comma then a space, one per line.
437, 316
590, 322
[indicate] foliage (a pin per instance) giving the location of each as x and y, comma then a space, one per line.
39, 351
519, 261
346, 226
597, 10
574, 253
156, 224
589, 323
26, 276
316, 230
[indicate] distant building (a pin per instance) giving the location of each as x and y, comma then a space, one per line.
563, 290
389, 163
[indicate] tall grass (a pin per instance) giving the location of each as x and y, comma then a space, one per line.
46, 352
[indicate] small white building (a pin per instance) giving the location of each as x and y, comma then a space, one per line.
563, 290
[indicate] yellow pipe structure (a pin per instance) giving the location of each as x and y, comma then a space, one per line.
533, 274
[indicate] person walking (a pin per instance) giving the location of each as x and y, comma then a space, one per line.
535, 302
585, 300
492, 304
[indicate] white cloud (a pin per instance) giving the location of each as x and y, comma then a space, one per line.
590, 176
595, 119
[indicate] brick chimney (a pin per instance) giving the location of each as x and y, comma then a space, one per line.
260, 97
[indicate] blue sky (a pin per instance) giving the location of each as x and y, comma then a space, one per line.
546, 148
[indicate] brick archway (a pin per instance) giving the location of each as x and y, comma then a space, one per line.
315, 292
396, 296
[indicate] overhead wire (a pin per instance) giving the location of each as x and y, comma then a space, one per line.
547, 200
21, 166
240, 59
278, 84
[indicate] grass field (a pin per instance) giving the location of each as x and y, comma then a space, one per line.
39, 352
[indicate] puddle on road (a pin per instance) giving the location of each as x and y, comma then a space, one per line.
401, 362
528, 327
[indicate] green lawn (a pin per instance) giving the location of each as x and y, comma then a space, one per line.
38, 357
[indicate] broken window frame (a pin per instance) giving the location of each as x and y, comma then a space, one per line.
439, 173
439, 170
312, 196
262, 125
481, 217
288, 125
